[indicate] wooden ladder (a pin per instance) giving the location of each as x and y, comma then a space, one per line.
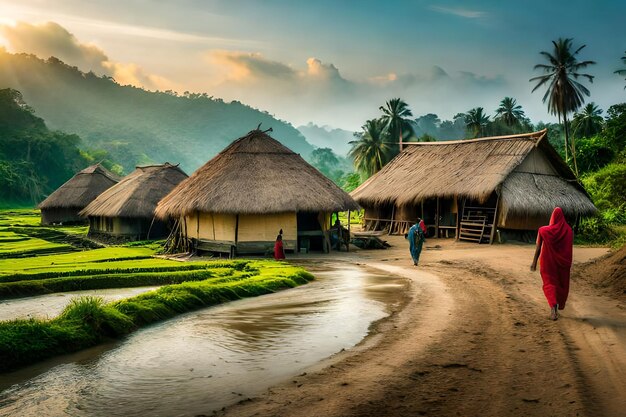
473, 228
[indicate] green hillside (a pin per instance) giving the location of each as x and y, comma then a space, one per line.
134, 125
33, 159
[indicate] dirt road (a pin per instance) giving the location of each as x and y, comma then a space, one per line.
472, 339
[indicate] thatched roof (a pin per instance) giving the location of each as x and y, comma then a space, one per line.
138, 193
537, 194
255, 174
474, 169
81, 189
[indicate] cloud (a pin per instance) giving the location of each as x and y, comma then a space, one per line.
51, 39
317, 91
249, 66
459, 11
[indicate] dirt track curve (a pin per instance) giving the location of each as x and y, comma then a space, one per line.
471, 339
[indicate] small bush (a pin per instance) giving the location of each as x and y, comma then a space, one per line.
594, 230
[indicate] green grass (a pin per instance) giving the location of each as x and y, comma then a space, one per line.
20, 217
88, 321
71, 261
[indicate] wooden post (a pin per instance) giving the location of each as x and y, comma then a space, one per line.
393, 212
460, 208
348, 245
186, 241
495, 218
198, 225
437, 220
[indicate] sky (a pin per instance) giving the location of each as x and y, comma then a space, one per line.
328, 62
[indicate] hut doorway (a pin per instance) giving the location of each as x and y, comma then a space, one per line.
310, 233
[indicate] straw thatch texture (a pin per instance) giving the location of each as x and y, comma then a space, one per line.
138, 193
468, 168
255, 175
532, 194
81, 189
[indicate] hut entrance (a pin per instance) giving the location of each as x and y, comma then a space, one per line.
310, 233
478, 220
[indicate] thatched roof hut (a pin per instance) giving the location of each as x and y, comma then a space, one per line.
127, 209
520, 176
63, 205
251, 190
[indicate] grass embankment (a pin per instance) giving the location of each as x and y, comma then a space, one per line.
88, 321
111, 267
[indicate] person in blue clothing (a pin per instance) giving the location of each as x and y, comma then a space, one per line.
417, 237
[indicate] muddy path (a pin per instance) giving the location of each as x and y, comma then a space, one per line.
473, 339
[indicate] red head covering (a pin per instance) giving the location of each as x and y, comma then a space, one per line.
556, 257
559, 237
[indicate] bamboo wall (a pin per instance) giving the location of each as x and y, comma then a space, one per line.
207, 226
249, 228
265, 227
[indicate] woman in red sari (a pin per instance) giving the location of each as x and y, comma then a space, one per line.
554, 251
279, 250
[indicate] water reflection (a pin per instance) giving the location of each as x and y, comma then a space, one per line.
205, 360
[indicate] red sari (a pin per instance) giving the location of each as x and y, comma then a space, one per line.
279, 251
555, 259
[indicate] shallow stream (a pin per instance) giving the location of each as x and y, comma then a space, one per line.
208, 359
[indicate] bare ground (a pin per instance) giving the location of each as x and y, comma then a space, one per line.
471, 339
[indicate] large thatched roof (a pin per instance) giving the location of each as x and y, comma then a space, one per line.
255, 174
475, 169
138, 193
81, 189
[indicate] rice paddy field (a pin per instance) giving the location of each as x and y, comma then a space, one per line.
37, 260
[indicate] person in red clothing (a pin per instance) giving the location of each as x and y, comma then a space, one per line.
279, 250
554, 251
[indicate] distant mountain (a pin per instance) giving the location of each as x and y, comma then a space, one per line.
134, 125
328, 137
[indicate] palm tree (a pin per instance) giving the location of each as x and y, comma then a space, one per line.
395, 116
622, 71
564, 93
587, 122
510, 112
476, 122
370, 151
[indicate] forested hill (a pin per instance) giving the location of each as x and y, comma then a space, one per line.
134, 125
33, 159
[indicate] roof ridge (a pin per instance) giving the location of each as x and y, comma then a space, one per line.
540, 134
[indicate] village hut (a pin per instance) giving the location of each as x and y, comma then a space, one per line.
126, 210
239, 201
476, 190
64, 204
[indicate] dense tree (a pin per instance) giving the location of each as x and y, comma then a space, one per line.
395, 117
33, 160
371, 149
623, 70
615, 130
510, 112
476, 122
325, 160
587, 122
593, 153
564, 93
